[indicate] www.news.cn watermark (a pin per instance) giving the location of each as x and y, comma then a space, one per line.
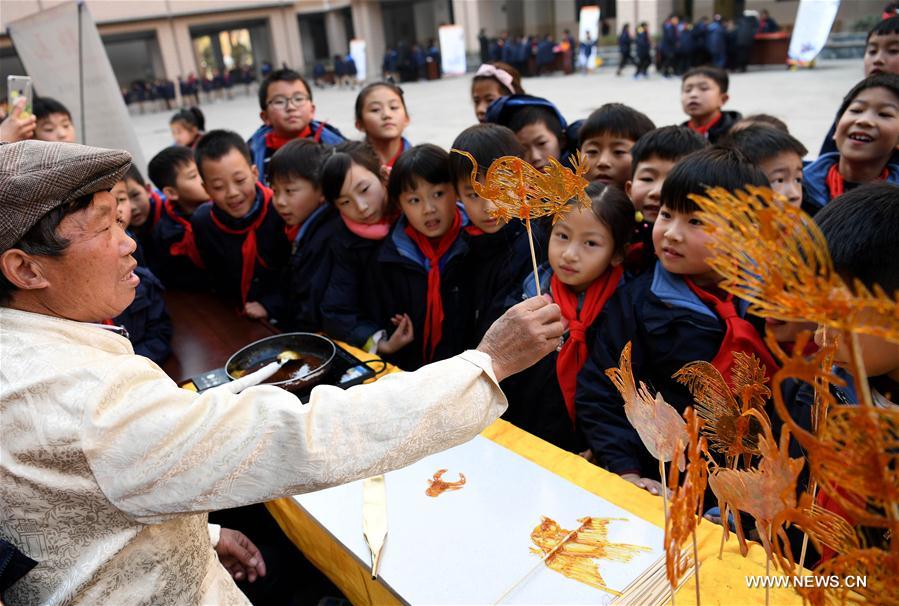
809, 581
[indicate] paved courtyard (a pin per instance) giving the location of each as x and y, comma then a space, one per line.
806, 100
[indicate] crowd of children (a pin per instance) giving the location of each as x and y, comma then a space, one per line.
390, 247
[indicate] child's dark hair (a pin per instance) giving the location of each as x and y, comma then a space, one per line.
163, 168
669, 143
759, 143
860, 228
537, 114
759, 120
614, 210
216, 144
517, 88
715, 74
616, 119
884, 27
134, 174
486, 142
883, 80
367, 90
337, 165
191, 116
299, 159
44, 106
426, 162
715, 166
280, 75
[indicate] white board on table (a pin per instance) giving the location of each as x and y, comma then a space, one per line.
469, 546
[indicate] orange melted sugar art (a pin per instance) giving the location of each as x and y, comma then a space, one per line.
576, 558
437, 486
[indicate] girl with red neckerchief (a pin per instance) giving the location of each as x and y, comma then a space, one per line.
586, 252
381, 115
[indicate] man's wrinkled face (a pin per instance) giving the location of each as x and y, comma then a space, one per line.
94, 279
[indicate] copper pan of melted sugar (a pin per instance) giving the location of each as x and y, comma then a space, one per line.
437, 486
308, 355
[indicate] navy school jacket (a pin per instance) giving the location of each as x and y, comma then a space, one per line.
398, 283
728, 119
147, 320
815, 191
221, 252
536, 404
322, 132
495, 266
345, 297
308, 272
669, 326
176, 272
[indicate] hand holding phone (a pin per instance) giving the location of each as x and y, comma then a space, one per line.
19, 86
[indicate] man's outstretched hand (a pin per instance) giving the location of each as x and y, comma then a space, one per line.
239, 556
523, 335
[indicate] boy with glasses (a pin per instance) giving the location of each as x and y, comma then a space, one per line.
285, 99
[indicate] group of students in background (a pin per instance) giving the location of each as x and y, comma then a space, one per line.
388, 245
726, 44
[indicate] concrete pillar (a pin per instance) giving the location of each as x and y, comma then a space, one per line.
336, 32
539, 17
176, 48
285, 39
369, 25
654, 12
565, 17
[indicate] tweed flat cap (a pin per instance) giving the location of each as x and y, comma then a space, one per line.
37, 176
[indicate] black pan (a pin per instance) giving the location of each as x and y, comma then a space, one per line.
316, 352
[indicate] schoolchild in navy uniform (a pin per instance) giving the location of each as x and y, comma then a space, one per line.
355, 183
606, 138
285, 99
175, 259
382, 116
146, 319
187, 126
310, 225
703, 95
538, 125
586, 250
860, 229
652, 157
490, 82
880, 58
672, 315
418, 277
867, 136
778, 154
145, 204
498, 252
239, 235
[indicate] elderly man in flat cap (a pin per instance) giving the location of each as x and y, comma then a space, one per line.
107, 468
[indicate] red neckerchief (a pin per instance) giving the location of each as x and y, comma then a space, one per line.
473, 230
434, 310
573, 354
276, 142
739, 335
704, 130
291, 231
393, 160
156, 203
248, 248
836, 185
187, 246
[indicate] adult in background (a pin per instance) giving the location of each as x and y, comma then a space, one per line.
107, 467
484, 43
767, 24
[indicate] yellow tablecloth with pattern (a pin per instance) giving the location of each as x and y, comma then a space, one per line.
722, 582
